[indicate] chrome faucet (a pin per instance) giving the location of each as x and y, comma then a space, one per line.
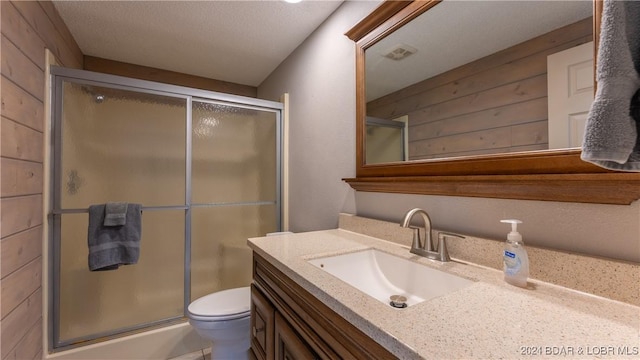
427, 249
417, 243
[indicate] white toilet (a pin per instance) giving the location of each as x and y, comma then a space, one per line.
224, 317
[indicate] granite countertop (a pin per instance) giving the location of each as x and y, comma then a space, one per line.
489, 319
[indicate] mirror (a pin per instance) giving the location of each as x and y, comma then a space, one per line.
482, 86
510, 172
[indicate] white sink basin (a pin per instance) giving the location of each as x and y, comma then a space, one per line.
381, 275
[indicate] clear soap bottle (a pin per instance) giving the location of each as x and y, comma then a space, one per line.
516, 261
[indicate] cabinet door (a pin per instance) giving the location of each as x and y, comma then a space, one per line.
289, 346
252, 355
262, 325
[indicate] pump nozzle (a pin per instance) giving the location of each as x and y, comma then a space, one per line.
514, 235
514, 224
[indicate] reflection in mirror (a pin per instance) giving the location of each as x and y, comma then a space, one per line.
387, 140
510, 76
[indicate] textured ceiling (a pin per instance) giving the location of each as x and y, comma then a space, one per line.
237, 41
454, 33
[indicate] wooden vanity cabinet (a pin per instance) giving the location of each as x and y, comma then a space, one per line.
287, 322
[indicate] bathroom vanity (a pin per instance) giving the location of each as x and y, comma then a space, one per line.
287, 322
301, 311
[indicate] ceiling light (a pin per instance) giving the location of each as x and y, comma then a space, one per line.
292, 1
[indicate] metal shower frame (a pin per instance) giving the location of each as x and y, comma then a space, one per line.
59, 75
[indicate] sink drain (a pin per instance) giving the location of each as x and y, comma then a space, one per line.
398, 301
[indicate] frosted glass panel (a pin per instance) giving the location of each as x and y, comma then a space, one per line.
151, 290
234, 154
220, 257
121, 146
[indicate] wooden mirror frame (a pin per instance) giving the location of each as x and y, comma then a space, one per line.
553, 175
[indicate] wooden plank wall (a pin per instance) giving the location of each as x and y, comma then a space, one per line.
492, 105
107, 66
28, 27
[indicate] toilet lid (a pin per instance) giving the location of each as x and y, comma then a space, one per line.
223, 305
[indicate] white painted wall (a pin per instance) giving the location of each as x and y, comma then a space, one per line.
320, 76
604, 230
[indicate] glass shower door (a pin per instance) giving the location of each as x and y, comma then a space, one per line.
234, 191
120, 145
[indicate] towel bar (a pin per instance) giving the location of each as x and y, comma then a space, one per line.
148, 208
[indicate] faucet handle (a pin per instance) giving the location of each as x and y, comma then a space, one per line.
442, 245
417, 242
445, 234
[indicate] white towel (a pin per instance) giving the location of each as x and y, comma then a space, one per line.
611, 134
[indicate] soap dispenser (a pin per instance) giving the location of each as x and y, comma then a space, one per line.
516, 261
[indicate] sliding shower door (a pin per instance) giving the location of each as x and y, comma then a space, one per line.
234, 192
206, 171
120, 145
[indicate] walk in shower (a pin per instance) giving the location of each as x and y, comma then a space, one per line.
206, 168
